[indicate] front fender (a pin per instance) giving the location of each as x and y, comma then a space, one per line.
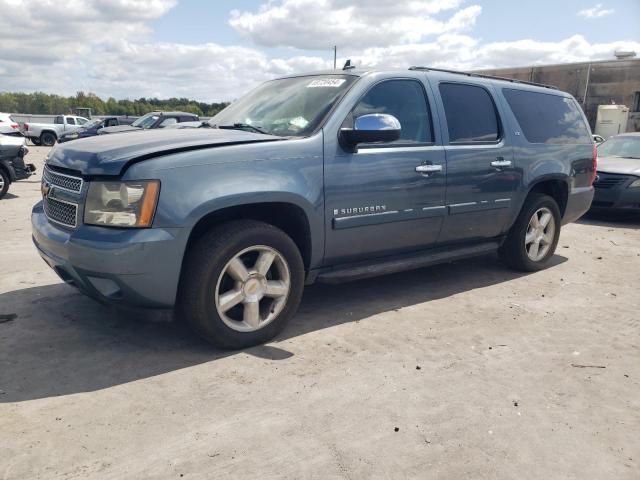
197, 183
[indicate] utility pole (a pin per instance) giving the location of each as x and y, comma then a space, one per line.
335, 56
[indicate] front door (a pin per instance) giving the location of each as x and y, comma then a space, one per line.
385, 199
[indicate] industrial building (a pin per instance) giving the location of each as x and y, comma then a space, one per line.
594, 83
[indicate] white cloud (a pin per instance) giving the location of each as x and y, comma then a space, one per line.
466, 53
595, 12
104, 46
320, 24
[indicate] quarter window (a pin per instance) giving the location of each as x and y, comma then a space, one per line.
470, 112
405, 100
545, 118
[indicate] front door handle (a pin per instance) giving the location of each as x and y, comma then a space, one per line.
501, 163
427, 169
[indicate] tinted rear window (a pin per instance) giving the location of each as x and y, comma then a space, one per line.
547, 118
471, 113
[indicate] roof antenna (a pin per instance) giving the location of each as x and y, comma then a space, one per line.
347, 65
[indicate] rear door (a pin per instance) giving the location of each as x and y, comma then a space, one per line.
481, 175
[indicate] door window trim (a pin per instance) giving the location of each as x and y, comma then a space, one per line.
495, 109
368, 146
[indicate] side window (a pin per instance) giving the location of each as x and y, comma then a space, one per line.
167, 121
71, 121
112, 122
187, 119
470, 112
58, 120
405, 100
545, 118
81, 121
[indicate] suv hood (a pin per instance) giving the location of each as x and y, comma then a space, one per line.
626, 166
111, 154
120, 128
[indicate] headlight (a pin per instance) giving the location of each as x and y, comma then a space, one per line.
122, 204
635, 184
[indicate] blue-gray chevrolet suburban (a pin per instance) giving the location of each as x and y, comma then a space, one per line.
328, 177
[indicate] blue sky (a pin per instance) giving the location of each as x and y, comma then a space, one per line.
200, 21
216, 50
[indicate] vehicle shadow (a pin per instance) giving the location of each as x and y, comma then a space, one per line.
612, 218
59, 342
9, 196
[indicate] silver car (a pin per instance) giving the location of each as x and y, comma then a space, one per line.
617, 183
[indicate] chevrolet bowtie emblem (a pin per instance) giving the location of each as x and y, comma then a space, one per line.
45, 188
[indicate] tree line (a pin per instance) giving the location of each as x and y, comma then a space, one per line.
47, 104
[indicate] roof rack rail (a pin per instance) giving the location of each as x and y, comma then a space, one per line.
480, 75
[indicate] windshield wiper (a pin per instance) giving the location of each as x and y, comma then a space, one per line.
242, 126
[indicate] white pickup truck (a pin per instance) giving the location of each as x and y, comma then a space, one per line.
47, 133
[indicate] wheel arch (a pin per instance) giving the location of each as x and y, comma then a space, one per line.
8, 171
53, 132
554, 185
287, 216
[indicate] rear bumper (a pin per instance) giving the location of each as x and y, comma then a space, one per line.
618, 198
126, 267
578, 204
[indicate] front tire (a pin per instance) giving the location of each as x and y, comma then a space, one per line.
241, 284
533, 239
4, 183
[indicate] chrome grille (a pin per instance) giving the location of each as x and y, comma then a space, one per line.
61, 180
59, 211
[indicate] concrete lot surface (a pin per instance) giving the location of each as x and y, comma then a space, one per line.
467, 370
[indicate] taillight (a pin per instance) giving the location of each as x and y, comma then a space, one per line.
594, 164
26, 126
15, 125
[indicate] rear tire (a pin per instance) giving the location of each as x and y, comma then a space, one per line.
4, 182
48, 139
533, 239
241, 284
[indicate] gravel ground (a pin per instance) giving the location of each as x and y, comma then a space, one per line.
466, 370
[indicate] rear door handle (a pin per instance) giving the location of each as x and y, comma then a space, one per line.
501, 163
427, 169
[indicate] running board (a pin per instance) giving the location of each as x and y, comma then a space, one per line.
407, 262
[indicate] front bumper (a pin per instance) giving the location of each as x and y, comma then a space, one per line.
578, 204
129, 267
18, 170
619, 198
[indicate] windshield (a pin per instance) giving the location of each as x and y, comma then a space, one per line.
92, 123
288, 107
146, 121
623, 146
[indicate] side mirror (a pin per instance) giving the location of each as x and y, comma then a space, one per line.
371, 128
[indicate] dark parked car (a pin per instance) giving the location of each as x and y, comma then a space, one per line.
328, 177
152, 120
618, 178
91, 128
12, 166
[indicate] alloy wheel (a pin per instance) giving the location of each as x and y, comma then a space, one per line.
540, 234
253, 288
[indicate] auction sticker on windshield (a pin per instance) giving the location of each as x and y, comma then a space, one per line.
327, 82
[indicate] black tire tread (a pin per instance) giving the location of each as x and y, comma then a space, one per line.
201, 263
512, 251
